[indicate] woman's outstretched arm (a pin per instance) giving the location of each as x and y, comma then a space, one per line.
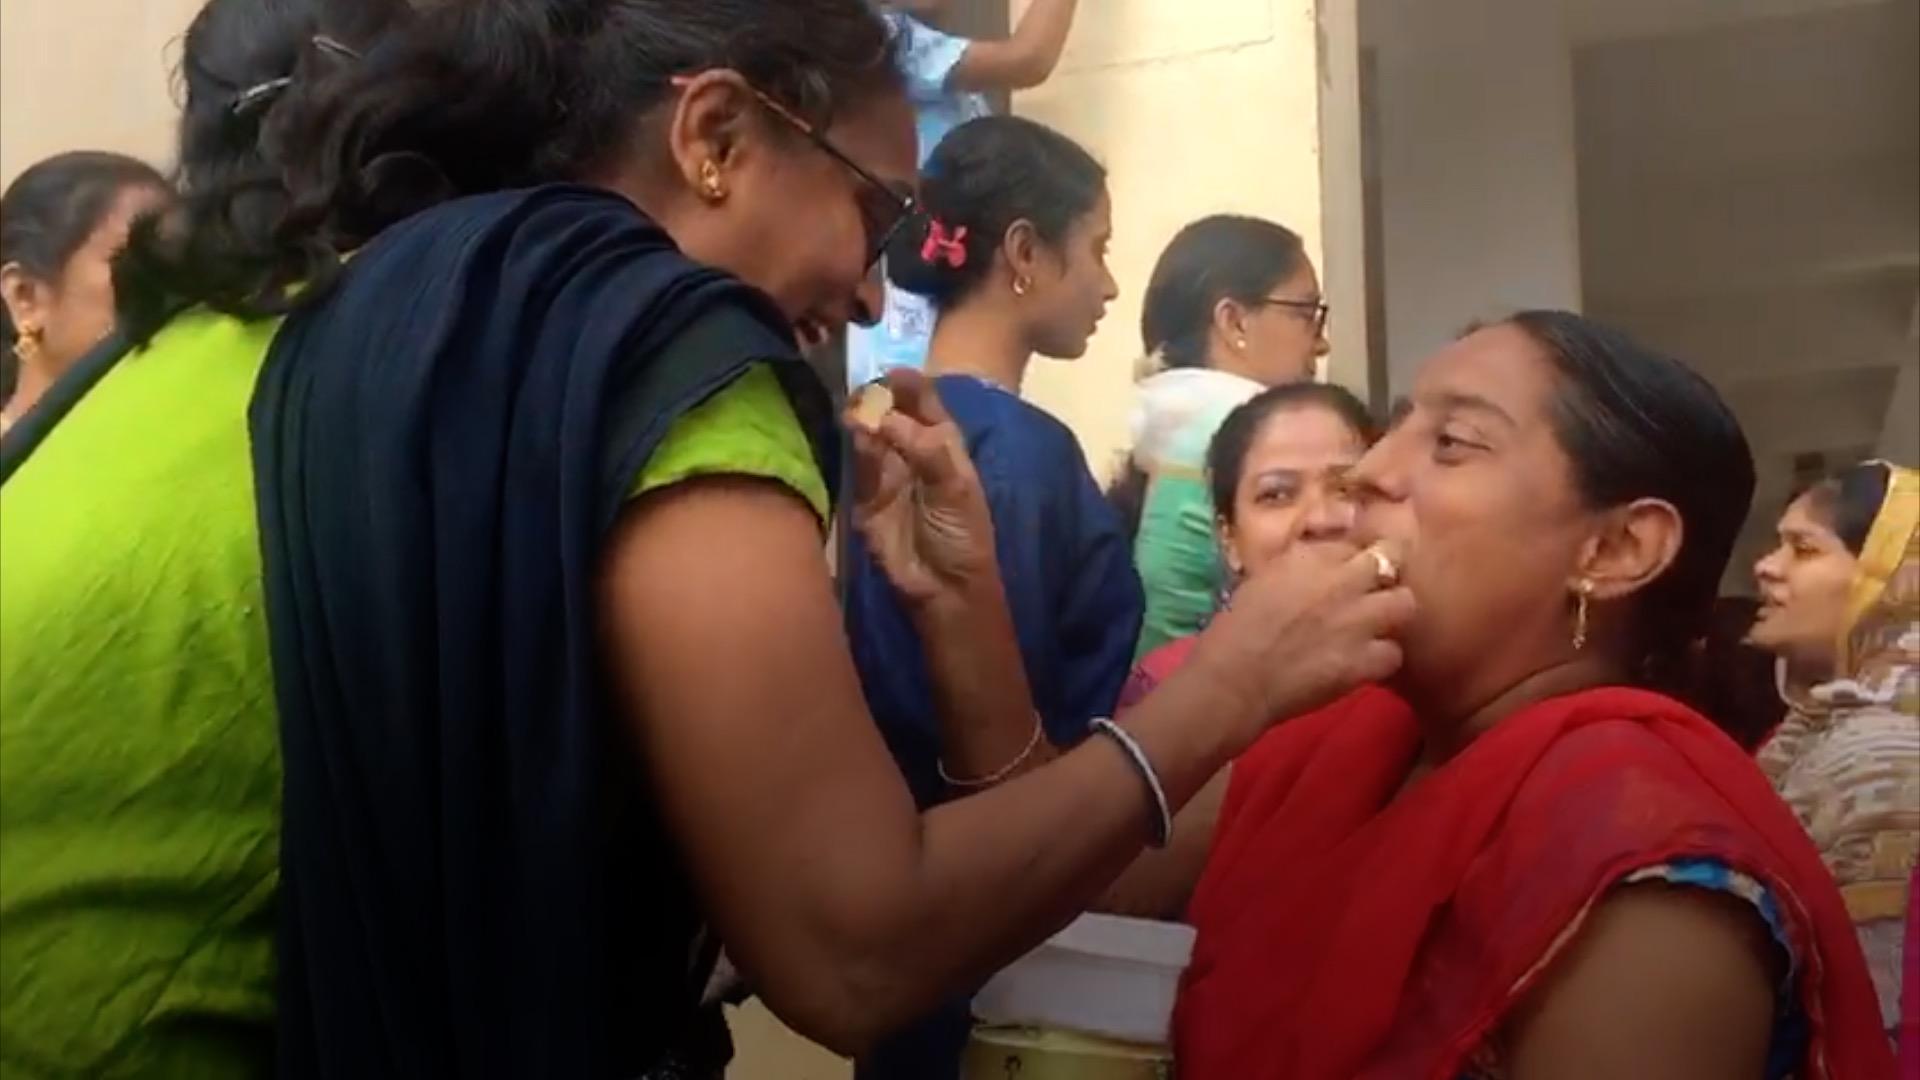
850, 911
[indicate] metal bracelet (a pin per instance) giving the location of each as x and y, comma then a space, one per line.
1162, 820
999, 775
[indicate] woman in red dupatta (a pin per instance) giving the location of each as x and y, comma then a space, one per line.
1515, 863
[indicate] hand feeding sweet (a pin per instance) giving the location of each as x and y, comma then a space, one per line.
1295, 642
918, 502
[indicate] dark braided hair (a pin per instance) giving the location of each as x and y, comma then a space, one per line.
454, 98
241, 60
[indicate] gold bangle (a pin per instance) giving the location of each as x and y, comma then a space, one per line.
1000, 774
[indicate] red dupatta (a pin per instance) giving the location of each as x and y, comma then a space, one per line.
1346, 933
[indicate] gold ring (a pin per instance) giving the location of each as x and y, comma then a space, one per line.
1386, 574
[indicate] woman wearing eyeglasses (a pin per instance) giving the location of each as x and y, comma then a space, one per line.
418, 665
1233, 307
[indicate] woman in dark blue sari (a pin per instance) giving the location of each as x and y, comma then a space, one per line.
1012, 252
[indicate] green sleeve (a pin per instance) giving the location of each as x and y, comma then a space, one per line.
747, 429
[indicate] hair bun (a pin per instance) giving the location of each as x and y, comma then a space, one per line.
986, 176
931, 258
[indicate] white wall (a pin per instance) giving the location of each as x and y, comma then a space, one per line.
88, 75
1195, 107
1480, 207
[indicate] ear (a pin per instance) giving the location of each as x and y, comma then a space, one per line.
710, 128
1023, 249
1229, 547
1633, 546
26, 298
1230, 322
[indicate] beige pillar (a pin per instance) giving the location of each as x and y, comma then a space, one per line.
88, 75
1198, 107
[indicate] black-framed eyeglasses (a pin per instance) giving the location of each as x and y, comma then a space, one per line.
884, 209
1317, 310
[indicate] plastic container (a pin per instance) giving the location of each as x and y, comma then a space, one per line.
996, 1053
1104, 975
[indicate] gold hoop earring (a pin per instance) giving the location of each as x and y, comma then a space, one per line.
712, 186
1021, 286
1584, 591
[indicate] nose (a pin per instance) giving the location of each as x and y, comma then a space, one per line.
1379, 476
869, 299
1322, 346
1767, 570
1328, 513
1112, 290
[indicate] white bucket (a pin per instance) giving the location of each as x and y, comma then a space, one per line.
1103, 975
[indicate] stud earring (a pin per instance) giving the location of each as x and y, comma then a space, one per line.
1240, 344
1585, 593
712, 187
1021, 286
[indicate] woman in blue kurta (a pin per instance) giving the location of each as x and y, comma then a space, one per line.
1011, 250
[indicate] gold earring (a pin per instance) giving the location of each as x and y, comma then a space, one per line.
1021, 285
1240, 344
711, 185
26, 345
1585, 593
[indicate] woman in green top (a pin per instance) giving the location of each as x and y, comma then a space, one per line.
216, 682
1233, 307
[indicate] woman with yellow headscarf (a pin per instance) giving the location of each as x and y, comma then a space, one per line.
1840, 607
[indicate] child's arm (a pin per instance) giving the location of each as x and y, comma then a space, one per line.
1022, 61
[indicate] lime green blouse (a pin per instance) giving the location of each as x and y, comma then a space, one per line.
139, 748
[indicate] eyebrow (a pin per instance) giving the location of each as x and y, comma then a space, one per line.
1293, 472
1454, 400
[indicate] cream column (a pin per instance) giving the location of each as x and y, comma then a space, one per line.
1199, 107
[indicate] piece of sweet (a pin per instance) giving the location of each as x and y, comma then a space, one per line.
871, 404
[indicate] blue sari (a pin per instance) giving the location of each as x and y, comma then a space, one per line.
474, 881
1076, 602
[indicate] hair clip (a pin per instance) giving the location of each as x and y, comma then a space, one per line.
943, 245
259, 93
335, 46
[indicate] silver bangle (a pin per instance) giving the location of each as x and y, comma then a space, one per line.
994, 778
1162, 820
